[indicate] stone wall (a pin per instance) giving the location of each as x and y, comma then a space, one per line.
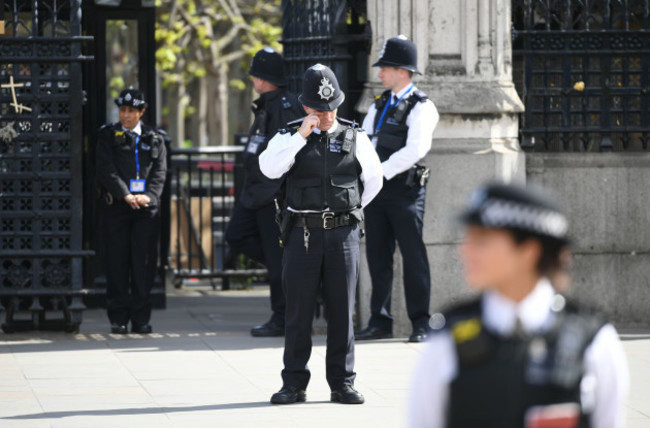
607, 199
464, 50
464, 53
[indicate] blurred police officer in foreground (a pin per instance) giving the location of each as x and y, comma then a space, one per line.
131, 168
519, 354
401, 124
331, 172
252, 230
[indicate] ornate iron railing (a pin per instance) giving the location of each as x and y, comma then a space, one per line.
40, 164
204, 186
583, 68
330, 32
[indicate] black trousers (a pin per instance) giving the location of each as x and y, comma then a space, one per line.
396, 215
333, 261
131, 258
254, 233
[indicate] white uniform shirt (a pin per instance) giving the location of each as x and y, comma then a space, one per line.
280, 155
604, 386
422, 121
137, 129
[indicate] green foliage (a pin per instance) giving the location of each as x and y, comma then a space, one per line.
197, 38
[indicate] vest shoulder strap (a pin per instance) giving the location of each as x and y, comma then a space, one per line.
586, 319
463, 322
381, 100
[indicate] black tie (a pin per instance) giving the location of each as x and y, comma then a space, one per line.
394, 100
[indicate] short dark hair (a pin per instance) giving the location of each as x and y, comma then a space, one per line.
551, 261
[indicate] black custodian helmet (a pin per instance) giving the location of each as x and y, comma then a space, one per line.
399, 52
320, 89
268, 65
515, 207
131, 97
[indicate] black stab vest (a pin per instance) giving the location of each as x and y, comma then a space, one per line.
393, 133
326, 173
500, 378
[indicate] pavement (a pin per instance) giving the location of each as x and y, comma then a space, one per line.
201, 368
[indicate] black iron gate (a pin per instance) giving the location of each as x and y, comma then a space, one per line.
40, 164
332, 32
583, 69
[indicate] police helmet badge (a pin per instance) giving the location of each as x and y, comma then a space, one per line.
325, 90
383, 50
127, 97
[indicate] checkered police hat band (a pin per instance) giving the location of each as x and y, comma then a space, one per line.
505, 214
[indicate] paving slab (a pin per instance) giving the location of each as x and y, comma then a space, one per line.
201, 368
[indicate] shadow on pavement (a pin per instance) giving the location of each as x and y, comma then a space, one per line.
139, 411
220, 321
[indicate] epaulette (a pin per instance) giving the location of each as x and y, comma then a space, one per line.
292, 127
294, 123
161, 132
419, 95
350, 123
107, 126
464, 310
286, 103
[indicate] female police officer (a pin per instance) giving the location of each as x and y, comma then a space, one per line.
519, 355
131, 168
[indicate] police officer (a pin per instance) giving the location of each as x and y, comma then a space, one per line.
401, 123
331, 172
519, 354
252, 230
131, 168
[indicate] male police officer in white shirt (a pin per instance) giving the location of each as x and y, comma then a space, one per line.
401, 123
332, 172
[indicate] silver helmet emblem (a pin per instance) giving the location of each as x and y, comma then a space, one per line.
325, 90
127, 97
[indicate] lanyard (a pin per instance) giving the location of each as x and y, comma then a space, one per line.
390, 105
137, 158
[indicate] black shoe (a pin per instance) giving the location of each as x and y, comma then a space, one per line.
270, 329
289, 395
142, 329
347, 395
118, 329
373, 333
419, 335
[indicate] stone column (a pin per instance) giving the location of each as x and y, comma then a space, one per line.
464, 51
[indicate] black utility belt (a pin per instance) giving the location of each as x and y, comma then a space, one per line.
326, 220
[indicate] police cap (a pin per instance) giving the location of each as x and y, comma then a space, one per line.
132, 98
399, 52
515, 207
268, 65
320, 89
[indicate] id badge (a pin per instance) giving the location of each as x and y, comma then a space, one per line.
254, 145
137, 186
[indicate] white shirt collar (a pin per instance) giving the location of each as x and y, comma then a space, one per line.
403, 91
534, 311
137, 129
329, 131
